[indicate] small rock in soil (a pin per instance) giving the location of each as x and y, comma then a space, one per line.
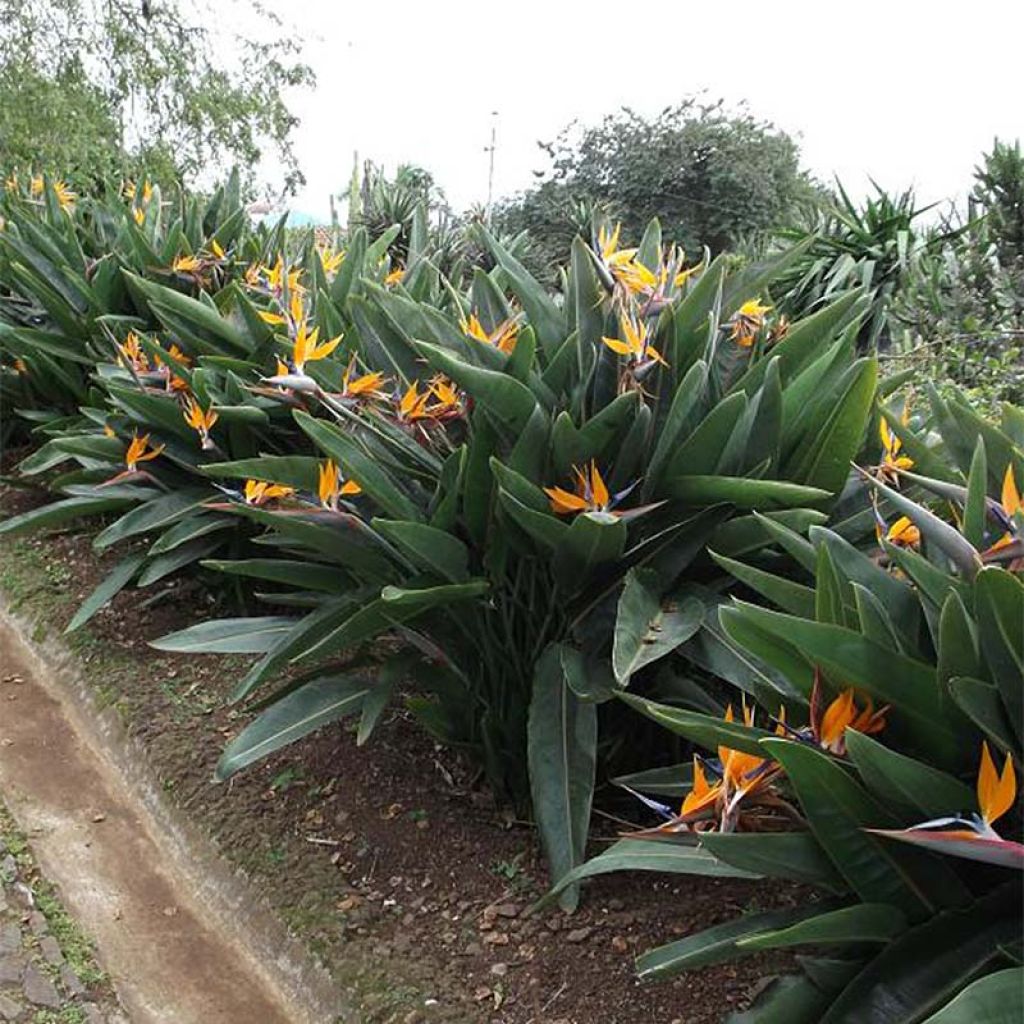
506, 910
500, 970
37, 923
579, 935
51, 950
8, 868
9, 1009
10, 938
39, 989
11, 968
620, 945
23, 895
496, 939
71, 982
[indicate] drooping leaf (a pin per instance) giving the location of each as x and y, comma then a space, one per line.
714, 945
920, 971
647, 629
227, 636
295, 715
863, 922
562, 755
119, 577
998, 998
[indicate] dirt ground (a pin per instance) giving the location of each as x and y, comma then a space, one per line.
391, 862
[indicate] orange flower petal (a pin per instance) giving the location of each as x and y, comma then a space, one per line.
996, 793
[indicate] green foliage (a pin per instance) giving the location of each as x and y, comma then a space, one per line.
963, 308
923, 898
91, 90
423, 226
709, 175
454, 409
77, 285
875, 246
57, 121
999, 193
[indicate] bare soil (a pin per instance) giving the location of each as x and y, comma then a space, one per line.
394, 866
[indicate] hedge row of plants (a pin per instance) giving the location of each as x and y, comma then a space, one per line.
644, 501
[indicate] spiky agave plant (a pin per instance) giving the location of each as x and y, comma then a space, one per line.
884, 682
875, 245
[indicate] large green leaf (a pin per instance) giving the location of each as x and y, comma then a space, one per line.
886, 675
863, 922
742, 492
999, 610
305, 575
717, 944
189, 529
299, 471
838, 810
790, 596
295, 715
394, 607
433, 549
646, 628
650, 855
982, 703
921, 970
997, 998
704, 730
593, 540
797, 856
59, 512
196, 318
824, 459
544, 316
684, 401
937, 531
896, 778
562, 755
119, 577
357, 465
227, 636
508, 400
791, 999
153, 515
805, 340
171, 561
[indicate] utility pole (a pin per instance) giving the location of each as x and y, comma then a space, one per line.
490, 171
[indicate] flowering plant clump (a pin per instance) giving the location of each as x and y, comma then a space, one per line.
517, 486
887, 679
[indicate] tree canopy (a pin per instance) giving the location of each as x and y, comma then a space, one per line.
709, 174
91, 87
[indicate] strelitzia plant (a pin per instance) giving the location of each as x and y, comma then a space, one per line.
165, 383
532, 497
973, 836
884, 816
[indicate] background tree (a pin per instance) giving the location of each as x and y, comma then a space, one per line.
710, 175
999, 192
92, 86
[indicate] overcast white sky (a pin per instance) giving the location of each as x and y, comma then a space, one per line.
903, 90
